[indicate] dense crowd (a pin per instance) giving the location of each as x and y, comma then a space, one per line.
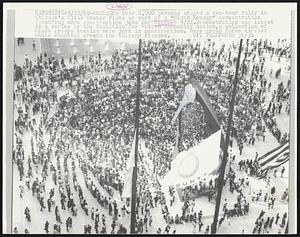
89, 129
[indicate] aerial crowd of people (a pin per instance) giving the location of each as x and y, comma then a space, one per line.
79, 116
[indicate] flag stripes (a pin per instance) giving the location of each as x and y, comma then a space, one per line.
278, 164
265, 159
278, 158
274, 159
263, 174
265, 171
270, 152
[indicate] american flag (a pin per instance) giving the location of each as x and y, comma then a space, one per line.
274, 158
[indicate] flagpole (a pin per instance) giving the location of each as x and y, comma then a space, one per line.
134, 173
225, 152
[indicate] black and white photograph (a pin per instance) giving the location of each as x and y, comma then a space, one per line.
151, 136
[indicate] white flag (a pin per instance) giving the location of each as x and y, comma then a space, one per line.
193, 165
188, 97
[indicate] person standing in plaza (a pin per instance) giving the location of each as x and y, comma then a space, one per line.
283, 220
282, 171
275, 173
33, 46
279, 108
27, 214
206, 230
241, 146
277, 218
46, 228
